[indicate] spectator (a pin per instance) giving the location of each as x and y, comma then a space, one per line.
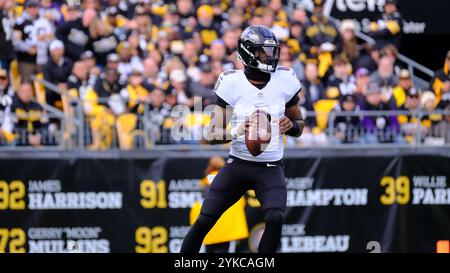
51, 11
178, 82
77, 34
295, 35
312, 87
7, 53
321, 39
445, 95
6, 90
379, 128
280, 30
30, 125
280, 15
136, 92
405, 84
93, 70
236, 19
350, 46
104, 41
388, 29
285, 55
368, 58
362, 79
112, 61
6, 99
56, 71
408, 122
346, 126
341, 82
299, 15
206, 31
385, 77
158, 114
218, 53
102, 104
150, 72
441, 131
25, 42
77, 83
73, 12
204, 88
116, 21
430, 118
441, 77
128, 62
187, 22
218, 10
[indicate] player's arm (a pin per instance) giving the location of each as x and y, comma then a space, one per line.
292, 122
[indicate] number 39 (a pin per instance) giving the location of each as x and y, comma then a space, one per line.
397, 190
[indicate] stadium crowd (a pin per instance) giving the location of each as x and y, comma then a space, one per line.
129, 62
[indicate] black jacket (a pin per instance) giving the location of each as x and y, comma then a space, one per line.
76, 38
6, 28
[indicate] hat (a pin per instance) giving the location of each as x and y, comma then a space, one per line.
348, 98
136, 71
87, 55
340, 59
3, 73
177, 75
205, 9
139, 10
318, 3
362, 72
395, 2
217, 41
404, 74
347, 24
205, 68
32, 3
426, 96
112, 11
113, 57
56, 44
412, 92
373, 88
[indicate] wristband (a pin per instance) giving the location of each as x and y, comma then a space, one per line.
295, 130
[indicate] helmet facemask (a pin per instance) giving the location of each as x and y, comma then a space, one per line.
262, 57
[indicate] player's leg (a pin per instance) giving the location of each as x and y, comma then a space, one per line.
226, 189
218, 248
270, 189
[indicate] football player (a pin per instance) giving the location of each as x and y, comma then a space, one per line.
261, 85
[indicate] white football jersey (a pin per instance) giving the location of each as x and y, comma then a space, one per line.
234, 88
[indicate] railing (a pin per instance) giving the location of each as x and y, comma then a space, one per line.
377, 128
49, 133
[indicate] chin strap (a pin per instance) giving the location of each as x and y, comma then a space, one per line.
264, 67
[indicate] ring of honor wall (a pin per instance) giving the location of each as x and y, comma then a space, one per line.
338, 201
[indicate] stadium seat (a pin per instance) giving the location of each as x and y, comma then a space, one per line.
322, 108
15, 75
126, 124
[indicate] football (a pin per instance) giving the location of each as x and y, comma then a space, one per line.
258, 132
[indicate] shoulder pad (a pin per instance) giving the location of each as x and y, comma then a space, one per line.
228, 72
283, 68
